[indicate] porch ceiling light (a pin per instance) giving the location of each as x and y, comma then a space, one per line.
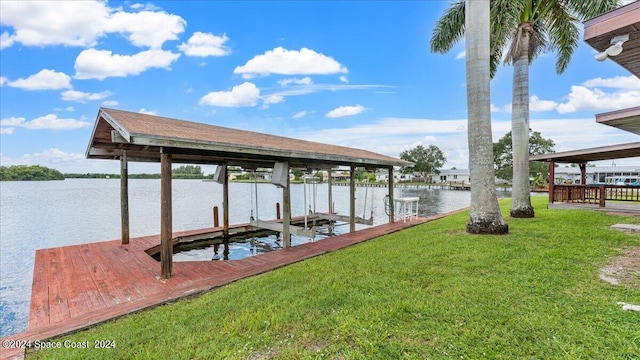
615, 48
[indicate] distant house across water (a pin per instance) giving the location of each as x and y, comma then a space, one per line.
596, 174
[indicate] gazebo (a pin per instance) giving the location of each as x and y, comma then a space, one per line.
135, 137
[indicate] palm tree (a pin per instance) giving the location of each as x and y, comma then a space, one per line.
529, 28
485, 216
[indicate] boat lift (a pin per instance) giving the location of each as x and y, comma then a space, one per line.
310, 196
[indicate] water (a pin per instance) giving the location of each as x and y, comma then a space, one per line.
37, 215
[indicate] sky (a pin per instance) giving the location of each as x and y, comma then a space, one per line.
351, 73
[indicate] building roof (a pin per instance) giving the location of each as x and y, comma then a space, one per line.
611, 152
599, 31
145, 136
625, 119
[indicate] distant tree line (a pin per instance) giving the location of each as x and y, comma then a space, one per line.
37, 172
29, 173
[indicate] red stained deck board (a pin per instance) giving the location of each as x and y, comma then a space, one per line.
39, 308
58, 302
106, 280
117, 280
86, 296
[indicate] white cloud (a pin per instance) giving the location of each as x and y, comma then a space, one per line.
7, 131
313, 88
147, 28
41, 23
344, 79
3, 80
148, 112
110, 103
535, 104
345, 111
290, 62
271, 99
82, 23
245, 94
300, 114
461, 55
50, 122
494, 108
46, 79
583, 98
100, 64
204, 44
6, 40
619, 82
304, 81
53, 155
147, 6
79, 96
68, 108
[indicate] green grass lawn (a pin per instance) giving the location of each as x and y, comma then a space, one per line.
429, 292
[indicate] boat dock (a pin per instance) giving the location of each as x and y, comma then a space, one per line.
78, 286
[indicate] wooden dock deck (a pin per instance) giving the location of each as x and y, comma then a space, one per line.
75, 287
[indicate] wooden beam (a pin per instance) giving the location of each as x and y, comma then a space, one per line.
166, 221
583, 173
552, 180
117, 138
329, 182
225, 212
391, 200
286, 207
124, 198
352, 199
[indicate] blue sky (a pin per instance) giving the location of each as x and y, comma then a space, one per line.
358, 74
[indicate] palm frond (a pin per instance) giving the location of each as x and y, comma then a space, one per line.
585, 10
449, 29
538, 41
563, 35
504, 19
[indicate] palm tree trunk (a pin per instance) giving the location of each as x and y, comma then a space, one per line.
485, 216
521, 191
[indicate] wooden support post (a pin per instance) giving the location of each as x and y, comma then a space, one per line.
166, 221
603, 195
225, 212
278, 211
329, 182
583, 173
352, 199
124, 197
216, 217
552, 180
286, 221
391, 199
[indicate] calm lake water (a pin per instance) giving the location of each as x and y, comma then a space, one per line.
37, 215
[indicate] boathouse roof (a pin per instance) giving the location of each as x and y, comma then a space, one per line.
145, 136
